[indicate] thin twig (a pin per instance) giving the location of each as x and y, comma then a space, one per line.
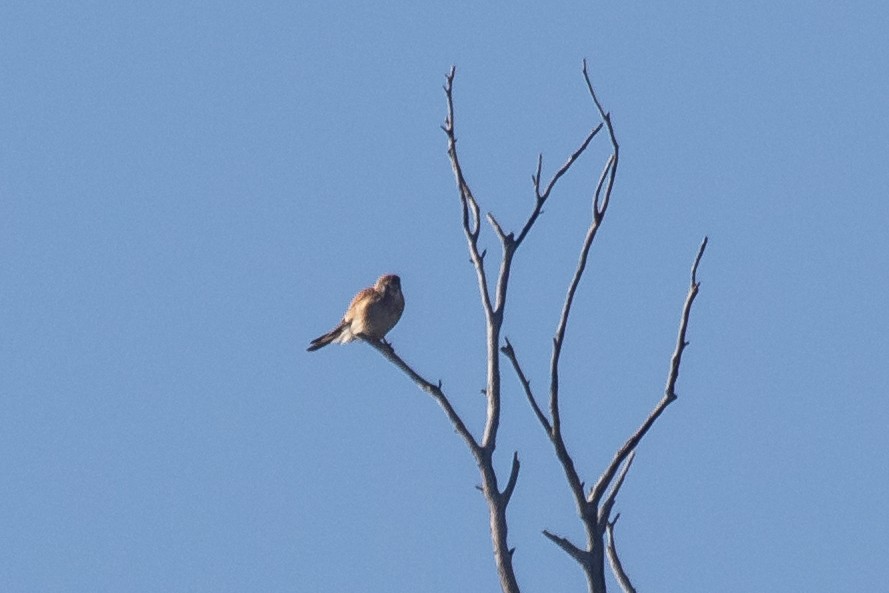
616, 567
496, 226
669, 393
493, 312
580, 555
609, 172
607, 175
513, 476
597, 490
509, 352
471, 222
484, 451
586, 511
681, 343
567, 165
432, 389
563, 319
606, 118
541, 197
608, 504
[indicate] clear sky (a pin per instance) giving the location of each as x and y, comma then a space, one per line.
190, 192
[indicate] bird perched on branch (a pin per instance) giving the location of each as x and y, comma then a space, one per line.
372, 313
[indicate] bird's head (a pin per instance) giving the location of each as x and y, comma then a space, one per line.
388, 284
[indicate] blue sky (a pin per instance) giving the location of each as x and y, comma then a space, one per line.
190, 192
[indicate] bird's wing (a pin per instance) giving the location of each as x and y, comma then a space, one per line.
361, 300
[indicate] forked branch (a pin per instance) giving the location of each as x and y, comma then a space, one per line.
608, 504
493, 306
604, 187
593, 511
594, 508
669, 393
471, 220
542, 196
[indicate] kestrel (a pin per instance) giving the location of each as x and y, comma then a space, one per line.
372, 313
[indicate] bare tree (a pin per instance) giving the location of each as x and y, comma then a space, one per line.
594, 507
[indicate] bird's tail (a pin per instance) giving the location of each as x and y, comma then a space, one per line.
328, 338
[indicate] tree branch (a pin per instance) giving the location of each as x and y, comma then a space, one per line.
606, 179
471, 222
513, 477
496, 226
609, 172
594, 516
434, 390
541, 197
493, 312
681, 343
608, 504
606, 118
509, 352
616, 566
669, 393
580, 555
563, 324
484, 451
585, 510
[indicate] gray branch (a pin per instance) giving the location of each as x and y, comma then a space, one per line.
593, 510
541, 197
432, 389
616, 567
681, 342
509, 352
578, 554
471, 222
584, 509
608, 504
670, 391
513, 476
497, 500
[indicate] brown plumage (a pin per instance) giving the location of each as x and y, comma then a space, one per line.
372, 313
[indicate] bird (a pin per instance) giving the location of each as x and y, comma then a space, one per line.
372, 313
